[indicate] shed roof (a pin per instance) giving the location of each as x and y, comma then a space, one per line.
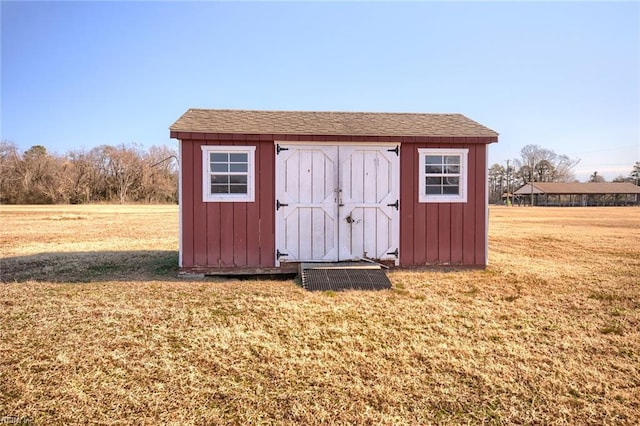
329, 123
579, 188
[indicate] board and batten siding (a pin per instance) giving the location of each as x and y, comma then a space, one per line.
443, 233
242, 235
224, 235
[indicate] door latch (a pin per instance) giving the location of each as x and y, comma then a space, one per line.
350, 220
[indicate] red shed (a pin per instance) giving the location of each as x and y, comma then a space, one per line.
261, 191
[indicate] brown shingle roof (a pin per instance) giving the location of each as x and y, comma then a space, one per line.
328, 123
580, 188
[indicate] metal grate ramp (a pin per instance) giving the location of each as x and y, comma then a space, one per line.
343, 276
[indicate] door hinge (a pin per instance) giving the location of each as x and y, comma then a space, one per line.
396, 205
395, 253
396, 150
280, 254
279, 148
279, 204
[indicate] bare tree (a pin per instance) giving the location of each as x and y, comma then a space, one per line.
10, 181
124, 170
564, 168
81, 177
39, 176
496, 182
160, 173
106, 173
545, 171
539, 164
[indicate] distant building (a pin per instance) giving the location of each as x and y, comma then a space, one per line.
579, 194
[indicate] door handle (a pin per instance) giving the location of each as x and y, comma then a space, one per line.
349, 219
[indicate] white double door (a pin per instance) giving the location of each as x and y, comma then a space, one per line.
337, 202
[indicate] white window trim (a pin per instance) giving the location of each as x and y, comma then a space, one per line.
464, 176
207, 196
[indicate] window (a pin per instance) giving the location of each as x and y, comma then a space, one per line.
442, 175
228, 173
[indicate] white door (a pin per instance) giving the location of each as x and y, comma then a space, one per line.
306, 203
337, 202
369, 224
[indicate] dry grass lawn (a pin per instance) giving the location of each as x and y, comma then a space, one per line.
95, 328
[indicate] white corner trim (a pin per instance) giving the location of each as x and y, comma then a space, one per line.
486, 205
180, 219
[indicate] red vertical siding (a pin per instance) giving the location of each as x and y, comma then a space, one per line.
419, 212
443, 233
481, 200
253, 215
267, 207
431, 240
457, 226
227, 234
408, 191
470, 209
213, 234
187, 203
240, 233
199, 210
243, 234
227, 240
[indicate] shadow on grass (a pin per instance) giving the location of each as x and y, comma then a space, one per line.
82, 267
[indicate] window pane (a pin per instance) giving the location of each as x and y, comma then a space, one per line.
450, 190
433, 190
434, 181
238, 179
219, 179
452, 159
452, 169
219, 167
433, 159
219, 157
238, 189
220, 189
433, 169
238, 158
239, 168
452, 181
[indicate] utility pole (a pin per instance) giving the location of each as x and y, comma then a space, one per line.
508, 201
531, 178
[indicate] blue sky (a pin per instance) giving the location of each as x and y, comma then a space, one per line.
565, 76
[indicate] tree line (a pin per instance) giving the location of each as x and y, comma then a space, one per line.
129, 173
122, 173
538, 164
633, 177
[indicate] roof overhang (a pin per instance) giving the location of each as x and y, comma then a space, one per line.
210, 123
